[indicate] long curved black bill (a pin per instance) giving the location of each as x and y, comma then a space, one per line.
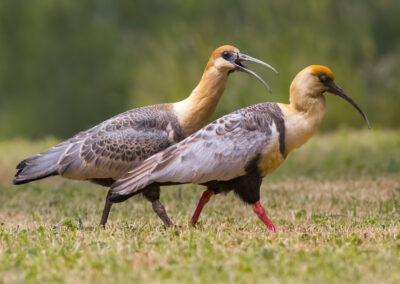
244, 57
336, 90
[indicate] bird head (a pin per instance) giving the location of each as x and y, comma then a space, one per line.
315, 80
228, 58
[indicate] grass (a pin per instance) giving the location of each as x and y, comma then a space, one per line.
336, 203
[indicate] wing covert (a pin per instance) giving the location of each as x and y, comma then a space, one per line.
113, 147
219, 151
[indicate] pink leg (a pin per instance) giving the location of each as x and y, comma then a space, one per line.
205, 197
259, 210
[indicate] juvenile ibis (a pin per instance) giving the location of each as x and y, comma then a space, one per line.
108, 150
237, 150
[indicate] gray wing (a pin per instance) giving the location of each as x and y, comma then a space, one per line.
219, 151
108, 154
109, 149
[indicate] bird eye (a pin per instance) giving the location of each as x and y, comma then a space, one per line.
323, 78
226, 54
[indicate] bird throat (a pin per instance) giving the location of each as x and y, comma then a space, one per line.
195, 111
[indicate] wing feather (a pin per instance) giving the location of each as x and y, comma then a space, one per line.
219, 151
114, 147
109, 149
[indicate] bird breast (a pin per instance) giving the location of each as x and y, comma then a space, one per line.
271, 156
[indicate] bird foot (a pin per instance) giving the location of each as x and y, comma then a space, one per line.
173, 227
260, 212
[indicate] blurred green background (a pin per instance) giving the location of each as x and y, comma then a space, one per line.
67, 65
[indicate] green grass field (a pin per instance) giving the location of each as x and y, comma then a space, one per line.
335, 201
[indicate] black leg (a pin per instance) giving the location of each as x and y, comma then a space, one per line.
153, 195
106, 211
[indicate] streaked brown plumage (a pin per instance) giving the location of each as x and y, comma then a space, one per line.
105, 152
236, 151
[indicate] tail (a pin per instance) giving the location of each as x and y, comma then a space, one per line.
39, 166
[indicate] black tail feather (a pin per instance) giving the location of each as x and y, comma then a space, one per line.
21, 180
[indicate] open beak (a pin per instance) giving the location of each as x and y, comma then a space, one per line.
336, 90
240, 67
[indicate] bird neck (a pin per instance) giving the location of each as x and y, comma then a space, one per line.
302, 118
195, 111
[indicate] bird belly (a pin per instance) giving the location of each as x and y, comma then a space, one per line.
97, 172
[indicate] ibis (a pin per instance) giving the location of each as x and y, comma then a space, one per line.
237, 150
105, 152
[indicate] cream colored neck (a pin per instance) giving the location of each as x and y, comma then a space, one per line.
302, 118
195, 111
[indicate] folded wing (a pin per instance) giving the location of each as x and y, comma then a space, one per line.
219, 151
107, 150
